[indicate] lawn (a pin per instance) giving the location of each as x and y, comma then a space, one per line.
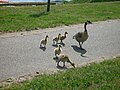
96, 76
26, 18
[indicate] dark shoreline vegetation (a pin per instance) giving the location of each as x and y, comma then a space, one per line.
96, 76
26, 18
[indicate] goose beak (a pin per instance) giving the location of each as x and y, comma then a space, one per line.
91, 23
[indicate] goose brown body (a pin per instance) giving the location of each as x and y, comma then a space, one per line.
81, 36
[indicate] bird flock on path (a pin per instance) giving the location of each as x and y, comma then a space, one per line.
80, 37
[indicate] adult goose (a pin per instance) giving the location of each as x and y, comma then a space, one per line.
81, 37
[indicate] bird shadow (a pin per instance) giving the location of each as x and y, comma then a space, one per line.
54, 45
61, 43
60, 67
43, 48
79, 50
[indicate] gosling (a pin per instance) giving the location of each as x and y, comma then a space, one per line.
63, 37
57, 50
43, 42
64, 58
81, 37
56, 39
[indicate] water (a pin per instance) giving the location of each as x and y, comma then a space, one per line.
34, 0
27, 0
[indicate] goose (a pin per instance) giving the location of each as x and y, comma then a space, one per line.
64, 58
63, 37
43, 42
58, 50
81, 37
56, 39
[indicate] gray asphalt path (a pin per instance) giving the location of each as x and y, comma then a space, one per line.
21, 55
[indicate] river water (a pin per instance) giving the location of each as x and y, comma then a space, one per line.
27, 0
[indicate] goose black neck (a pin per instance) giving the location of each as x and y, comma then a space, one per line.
85, 27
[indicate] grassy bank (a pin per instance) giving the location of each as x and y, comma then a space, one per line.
102, 76
90, 1
13, 19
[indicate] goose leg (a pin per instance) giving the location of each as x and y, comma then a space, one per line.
44, 46
80, 45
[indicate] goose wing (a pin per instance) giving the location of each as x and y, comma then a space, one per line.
62, 37
78, 35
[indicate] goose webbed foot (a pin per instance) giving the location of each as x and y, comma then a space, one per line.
81, 48
43, 48
61, 41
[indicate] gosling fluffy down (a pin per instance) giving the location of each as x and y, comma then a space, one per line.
63, 37
56, 39
81, 37
58, 50
43, 42
64, 58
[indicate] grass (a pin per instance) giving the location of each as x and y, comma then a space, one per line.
89, 1
21, 18
102, 76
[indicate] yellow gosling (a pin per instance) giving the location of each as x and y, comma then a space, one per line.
43, 42
58, 50
63, 37
64, 58
56, 39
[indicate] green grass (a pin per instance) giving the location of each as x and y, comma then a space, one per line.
21, 18
89, 1
102, 76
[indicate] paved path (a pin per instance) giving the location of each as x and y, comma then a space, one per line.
20, 53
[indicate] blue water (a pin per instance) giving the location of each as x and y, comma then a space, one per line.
27, 0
